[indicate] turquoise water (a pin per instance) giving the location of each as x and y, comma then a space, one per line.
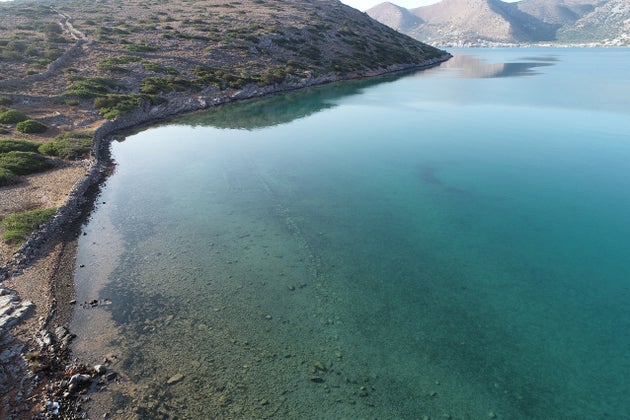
453, 242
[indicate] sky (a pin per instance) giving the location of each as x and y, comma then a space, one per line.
363, 5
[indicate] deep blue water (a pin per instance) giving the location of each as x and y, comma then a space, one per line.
453, 242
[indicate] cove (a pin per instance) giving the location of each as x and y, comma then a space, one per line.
451, 242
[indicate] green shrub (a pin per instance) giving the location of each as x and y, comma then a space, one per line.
112, 105
158, 68
155, 85
140, 48
111, 67
68, 146
7, 177
18, 226
4, 131
72, 102
31, 126
5, 100
90, 87
12, 116
113, 63
24, 163
10, 145
221, 78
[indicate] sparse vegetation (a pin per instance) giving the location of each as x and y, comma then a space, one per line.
35, 40
158, 68
115, 63
144, 47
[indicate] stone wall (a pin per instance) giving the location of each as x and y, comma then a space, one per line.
62, 62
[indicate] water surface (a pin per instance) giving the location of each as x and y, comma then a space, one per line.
452, 242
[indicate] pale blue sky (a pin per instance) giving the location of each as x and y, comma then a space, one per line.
409, 4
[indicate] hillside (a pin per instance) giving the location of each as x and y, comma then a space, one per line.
396, 17
562, 12
608, 24
471, 20
494, 22
65, 60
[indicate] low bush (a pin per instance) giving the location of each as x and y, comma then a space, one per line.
112, 67
114, 63
156, 85
140, 48
18, 226
7, 177
72, 102
24, 163
158, 68
12, 116
31, 127
10, 145
112, 105
222, 79
68, 146
5, 100
90, 87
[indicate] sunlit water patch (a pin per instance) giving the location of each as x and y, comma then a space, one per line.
448, 243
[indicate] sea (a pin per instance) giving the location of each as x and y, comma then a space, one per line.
451, 243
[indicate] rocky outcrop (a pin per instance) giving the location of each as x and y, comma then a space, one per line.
11, 309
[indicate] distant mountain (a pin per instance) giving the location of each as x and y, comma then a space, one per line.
608, 24
474, 21
396, 17
495, 22
563, 12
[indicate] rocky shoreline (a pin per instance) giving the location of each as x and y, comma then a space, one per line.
37, 371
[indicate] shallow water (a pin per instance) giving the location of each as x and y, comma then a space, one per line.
450, 242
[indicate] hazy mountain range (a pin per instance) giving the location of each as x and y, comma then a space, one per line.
494, 22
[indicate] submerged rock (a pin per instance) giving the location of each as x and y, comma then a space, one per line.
174, 379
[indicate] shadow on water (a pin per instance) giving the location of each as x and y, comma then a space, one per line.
472, 67
281, 108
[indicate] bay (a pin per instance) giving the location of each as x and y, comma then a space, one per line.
450, 242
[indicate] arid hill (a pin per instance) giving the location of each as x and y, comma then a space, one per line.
131, 50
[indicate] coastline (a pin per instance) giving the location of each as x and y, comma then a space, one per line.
50, 252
